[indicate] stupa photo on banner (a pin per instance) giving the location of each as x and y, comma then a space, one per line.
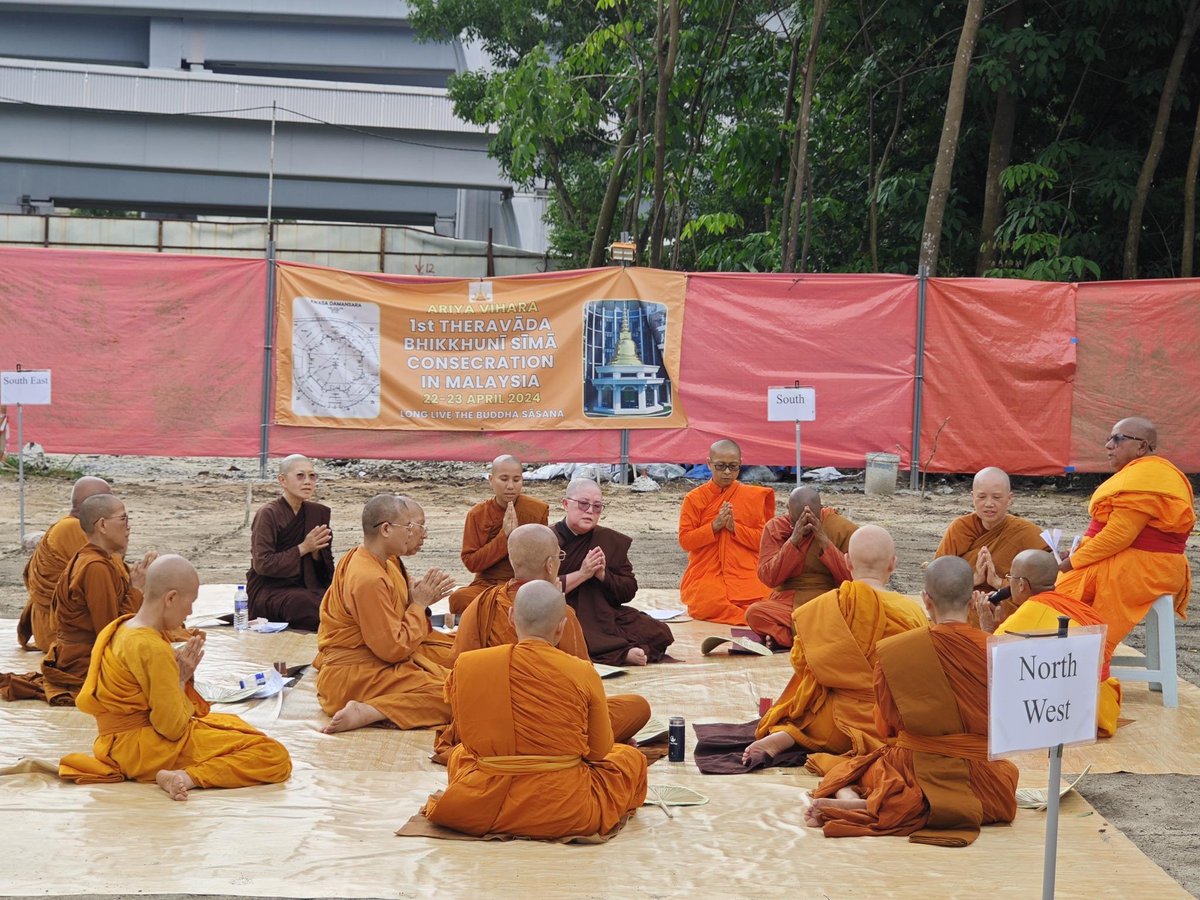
624, 375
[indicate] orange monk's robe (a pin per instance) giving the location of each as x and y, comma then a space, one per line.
537, 757
485, 545
1040, 613
933, 780
149, 723
486, 623
1133, 550
721, 578
94, 589
61, 541
966, 536
375, 647
828, 705
797, 574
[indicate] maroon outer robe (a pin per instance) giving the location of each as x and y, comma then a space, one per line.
610, 627
282, 585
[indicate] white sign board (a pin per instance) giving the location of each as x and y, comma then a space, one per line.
1042, 691
791, 404
29, 388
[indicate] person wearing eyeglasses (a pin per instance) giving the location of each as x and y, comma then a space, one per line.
990, 537
720, 526
599, 583
378, 658
488, 526
1133, 550
931, 779
95, 588
291, 550
1036, 607
488, 622
61, 541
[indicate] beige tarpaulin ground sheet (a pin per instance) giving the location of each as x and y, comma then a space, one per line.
329, 831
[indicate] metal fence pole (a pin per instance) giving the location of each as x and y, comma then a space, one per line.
918, 381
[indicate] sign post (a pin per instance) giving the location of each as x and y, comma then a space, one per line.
1043, 694
24, 387
792, 404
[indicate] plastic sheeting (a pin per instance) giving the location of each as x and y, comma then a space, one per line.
328, 831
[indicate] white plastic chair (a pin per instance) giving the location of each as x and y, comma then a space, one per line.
1158, 665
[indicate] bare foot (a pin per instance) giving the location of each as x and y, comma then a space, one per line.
814, 816
353, 715
636, 657
767, 748
175, 782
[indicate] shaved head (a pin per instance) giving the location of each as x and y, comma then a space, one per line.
802, 498
87, 486
949, 581
529, 547
170, 573
725, 445
725, 461
538, 610
985, 479
1138, 427
288, 463
97, 507
506, 461
583, 488
1037, 567
872, 553
506, 479
383, 508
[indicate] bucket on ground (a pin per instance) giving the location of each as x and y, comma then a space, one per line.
882, 469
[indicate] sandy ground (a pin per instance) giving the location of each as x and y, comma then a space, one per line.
201, 508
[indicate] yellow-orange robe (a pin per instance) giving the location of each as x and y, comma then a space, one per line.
537, 757
92, 591
1040, 613
485, 545
486, 624
827, 707
1133, 551
375, 647
797, 574
148, 722
61, 541
721, 578
933, 780
966, 536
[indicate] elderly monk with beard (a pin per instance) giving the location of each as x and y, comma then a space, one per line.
720, 526
599, 583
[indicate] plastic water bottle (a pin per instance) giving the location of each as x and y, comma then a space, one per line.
241, 609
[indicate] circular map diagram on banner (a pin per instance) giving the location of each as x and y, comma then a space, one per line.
335, 358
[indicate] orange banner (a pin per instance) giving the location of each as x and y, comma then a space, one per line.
597, 349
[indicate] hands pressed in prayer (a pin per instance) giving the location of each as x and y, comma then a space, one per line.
593, 564
724, 518
431, 587
986, 610
316, 540
188, 657
985, 570
811, 524
510, 518
137, 572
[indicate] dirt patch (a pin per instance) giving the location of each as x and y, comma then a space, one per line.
201, 509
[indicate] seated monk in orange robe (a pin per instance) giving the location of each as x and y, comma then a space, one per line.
1133, 550
94, 589
802, 555
378, 658
827, 706
61, 541
153, 725
990, 538
1038, 608
933, 780
488, 622
537, 757
488, 526
720, 526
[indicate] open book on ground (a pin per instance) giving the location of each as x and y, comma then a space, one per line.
1037, 798
742, 641
653, 730
668, 615
608, 671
